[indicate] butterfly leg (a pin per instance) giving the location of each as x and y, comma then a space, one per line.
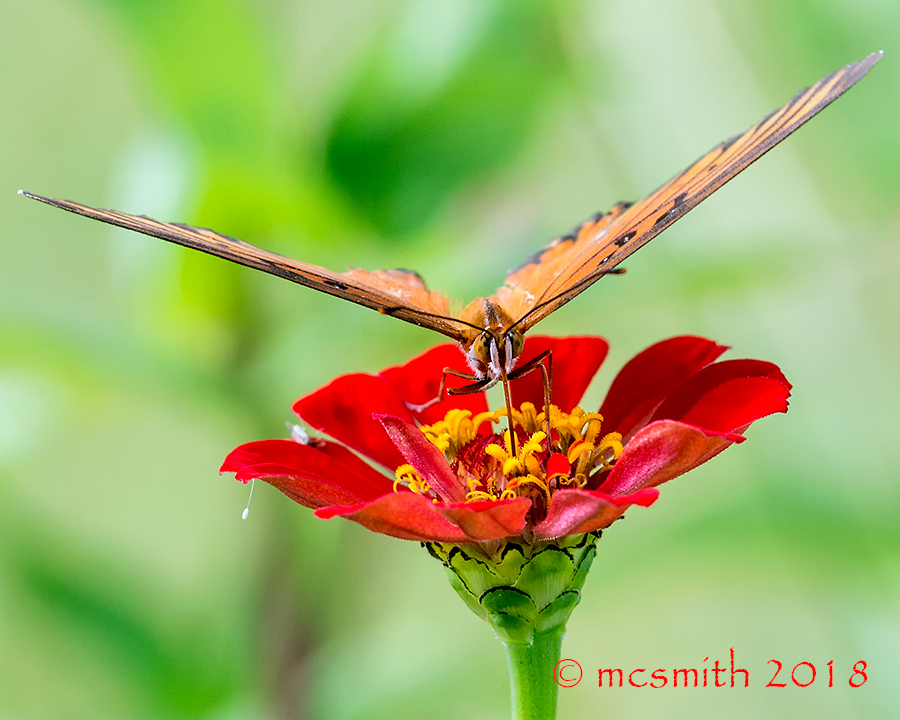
547, 375
504, 378
477, 385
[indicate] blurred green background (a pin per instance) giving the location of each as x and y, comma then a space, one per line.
454, 137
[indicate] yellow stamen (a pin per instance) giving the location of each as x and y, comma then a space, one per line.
407, 475
579, 480
592, 421
497, 452
612, 441
533, 444
532, 480
578, 449
483, 417
512, 466
529, 419
442, 442
533, 465
509, 470
456, 430
507, 438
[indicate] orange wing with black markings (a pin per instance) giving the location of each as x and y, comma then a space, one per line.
571, 264
400, 293
548, 279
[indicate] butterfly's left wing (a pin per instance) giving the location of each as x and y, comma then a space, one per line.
571, 264
399, 293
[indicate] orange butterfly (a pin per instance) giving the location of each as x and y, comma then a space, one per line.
490, 330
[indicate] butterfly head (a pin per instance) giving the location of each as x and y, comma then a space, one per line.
496, 347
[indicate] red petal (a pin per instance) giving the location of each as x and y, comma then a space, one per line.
661, 451
573, 511
488, 520
575, 362
344, 410
414, 517
359, 467
403, 515
307, 475
728, 395
649, 377
419, 381
424, 457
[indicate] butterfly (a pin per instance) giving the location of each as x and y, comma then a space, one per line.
490, 331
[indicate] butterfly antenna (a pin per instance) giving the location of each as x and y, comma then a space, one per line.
390, 311
571, 291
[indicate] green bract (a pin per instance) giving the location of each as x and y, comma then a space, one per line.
521, 589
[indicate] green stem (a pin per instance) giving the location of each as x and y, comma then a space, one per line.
531, 675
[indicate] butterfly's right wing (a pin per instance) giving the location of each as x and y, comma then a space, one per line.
399, 293
571, 264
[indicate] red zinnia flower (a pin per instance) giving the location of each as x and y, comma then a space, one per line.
670, 409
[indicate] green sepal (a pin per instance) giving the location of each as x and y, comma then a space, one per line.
510, 601
520, 588
557, 612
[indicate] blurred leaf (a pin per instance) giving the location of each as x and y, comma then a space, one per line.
128, 585
451, 97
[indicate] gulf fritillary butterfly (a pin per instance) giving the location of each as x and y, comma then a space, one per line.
490, 330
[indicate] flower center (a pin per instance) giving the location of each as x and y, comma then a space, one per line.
490, 468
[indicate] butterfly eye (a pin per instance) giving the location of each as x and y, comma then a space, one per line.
482, 348
516, 343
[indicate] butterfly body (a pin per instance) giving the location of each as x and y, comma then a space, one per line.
491, 345
490, 330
